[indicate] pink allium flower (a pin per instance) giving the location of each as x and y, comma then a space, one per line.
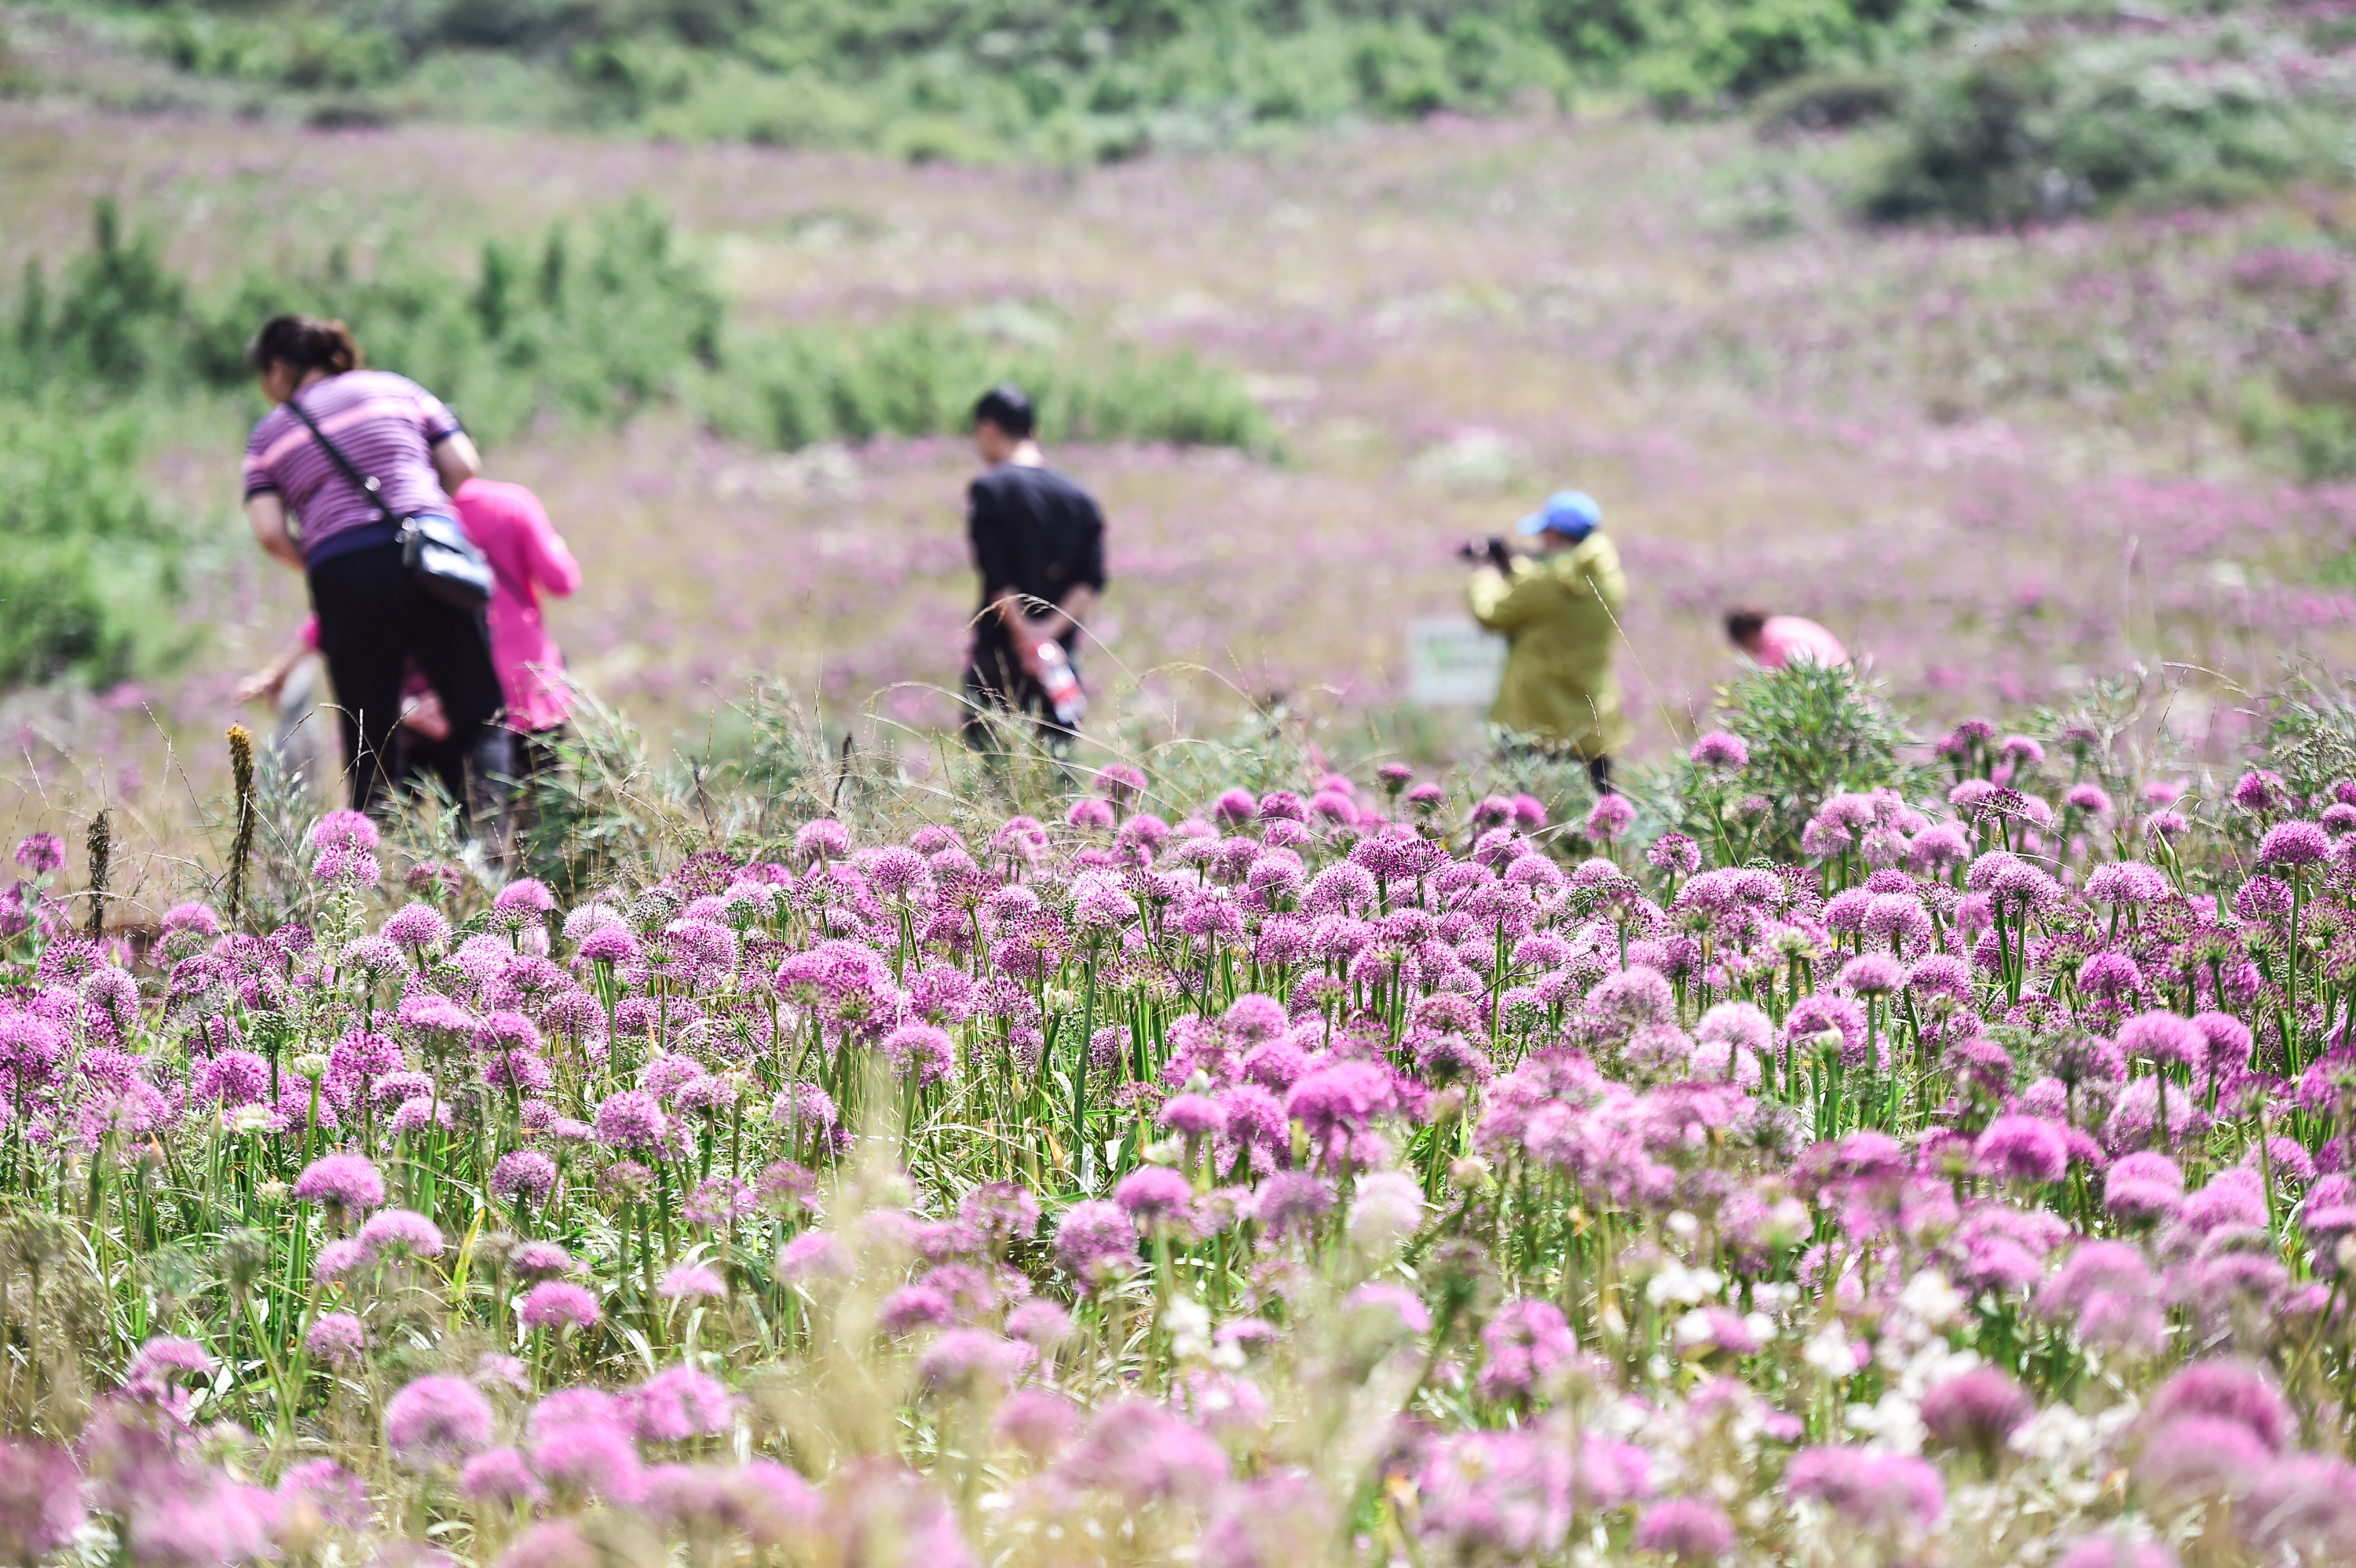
1121, 782
1090, 816
40, 853
691, 1279
1002, 1211
338, 1339
343, 829
823, 839
1524, 1341
680, 1402
437, 1420
500, 1477
1141, 1453
1153, 1194
2200, 1455
1039, 1323
338, 1495
1721, 752
41, 1498
2127, 883
1395, 1302
523, 901
524, 1174
1691, 1530
417, 927
1289, 1201
2294, 843
1495, 1496
816, 1254
915, 1307
1096, 1242
2090, 799
164, 1357
1040, 1422
401, 1228
2258, 790
2022, 1148
346, 1183
2232, 1390
965, 1359
591, 1457
1196, 1116
630, 1119
1873, 975
1890, 1491
1611, 816
1977, 1410
557, 1304
922, 1053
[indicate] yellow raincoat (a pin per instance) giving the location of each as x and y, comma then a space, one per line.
1560, 614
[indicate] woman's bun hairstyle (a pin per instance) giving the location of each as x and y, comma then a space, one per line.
307, 343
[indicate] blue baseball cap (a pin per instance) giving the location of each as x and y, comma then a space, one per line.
1570, 513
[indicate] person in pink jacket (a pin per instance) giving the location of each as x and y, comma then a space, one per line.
529, 557
1778, 642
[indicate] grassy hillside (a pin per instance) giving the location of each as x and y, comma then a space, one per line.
1999, 112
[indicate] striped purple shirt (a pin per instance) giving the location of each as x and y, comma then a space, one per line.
386, 424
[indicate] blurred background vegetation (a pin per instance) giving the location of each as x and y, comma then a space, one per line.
1998, 110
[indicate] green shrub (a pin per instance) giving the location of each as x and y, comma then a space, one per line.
2044, 129
88, 565
1813, 732
921, 378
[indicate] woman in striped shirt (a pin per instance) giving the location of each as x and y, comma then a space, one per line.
373, 618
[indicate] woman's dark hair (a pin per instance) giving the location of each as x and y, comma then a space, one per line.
1008, 407
1741, 625
307, 343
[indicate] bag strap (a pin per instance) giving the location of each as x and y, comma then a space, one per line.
364, 483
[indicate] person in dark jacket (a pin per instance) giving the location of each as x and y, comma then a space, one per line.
1038, 545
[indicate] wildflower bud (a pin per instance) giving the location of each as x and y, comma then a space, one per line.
1164, 1151
2345, 1253
1469, 1174
250, 1119
311, 1066
272, 1194
1446, 1107
1828, 1045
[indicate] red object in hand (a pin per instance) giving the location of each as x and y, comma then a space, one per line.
1062, 685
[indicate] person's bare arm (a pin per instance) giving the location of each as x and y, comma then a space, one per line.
1029, 631
267, 513
265, 684
457, 461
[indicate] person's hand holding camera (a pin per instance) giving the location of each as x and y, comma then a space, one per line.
1491, 552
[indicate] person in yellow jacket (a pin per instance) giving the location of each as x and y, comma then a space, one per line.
1558, 607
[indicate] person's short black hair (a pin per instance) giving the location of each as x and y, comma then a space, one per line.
1741, 625
1008, 407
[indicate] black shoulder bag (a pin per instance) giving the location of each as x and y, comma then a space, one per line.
436, 551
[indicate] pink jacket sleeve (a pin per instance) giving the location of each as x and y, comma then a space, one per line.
547, 561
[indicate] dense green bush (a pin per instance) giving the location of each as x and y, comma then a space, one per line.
88, 565
921, 378
2049, 127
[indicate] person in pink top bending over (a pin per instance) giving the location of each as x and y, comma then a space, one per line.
1778, 642
529, 557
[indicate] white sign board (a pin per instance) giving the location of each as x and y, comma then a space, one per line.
1452, 663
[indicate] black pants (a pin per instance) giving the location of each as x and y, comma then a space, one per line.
373, 618
995, 678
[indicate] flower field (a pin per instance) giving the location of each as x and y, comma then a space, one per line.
1331, 1170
